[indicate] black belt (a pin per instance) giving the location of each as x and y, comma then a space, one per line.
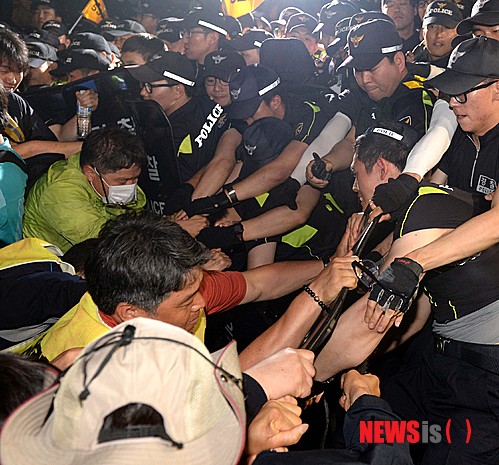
485, 356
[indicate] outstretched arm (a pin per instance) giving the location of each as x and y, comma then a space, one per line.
220, 167
292, 327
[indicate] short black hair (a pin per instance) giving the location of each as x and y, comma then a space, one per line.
146, 45
4, 104
20, 378
112, 149
140, 259
13, 51
79, 253
371, 146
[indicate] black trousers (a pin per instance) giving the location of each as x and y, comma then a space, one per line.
453, 394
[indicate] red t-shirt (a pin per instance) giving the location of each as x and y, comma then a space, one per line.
222, 290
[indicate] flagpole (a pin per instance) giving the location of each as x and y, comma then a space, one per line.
75, 24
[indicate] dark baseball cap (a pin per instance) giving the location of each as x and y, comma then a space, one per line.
207, 18
81, 58
43, 36
39, 53
333, 12
247, 88
223, 64
165, 65
55, 27
45, 3
156, 8
445, 13
404, 134
251, 39
370, 42
364, 16
341, 31
301, 20
169, 29
115, 28
90, 40
264, 140
484, 12
285, 14
470, 63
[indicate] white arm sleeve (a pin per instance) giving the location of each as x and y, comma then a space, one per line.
430, 148
334, 131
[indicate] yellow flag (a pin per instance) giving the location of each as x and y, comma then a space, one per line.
95, 11
238, 8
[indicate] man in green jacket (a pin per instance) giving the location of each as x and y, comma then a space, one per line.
73, 200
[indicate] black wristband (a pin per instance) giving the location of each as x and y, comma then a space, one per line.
317, 299
231, 193
410, 264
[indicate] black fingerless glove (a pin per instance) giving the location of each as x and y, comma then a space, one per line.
397, 285
215, 237
396, 193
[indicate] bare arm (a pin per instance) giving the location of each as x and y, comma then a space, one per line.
292, 327
353, 340
34, 147
282, 219
471, 237
272, 174
277, 279
220, 167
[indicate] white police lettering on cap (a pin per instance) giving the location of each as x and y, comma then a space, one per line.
211, 120
258, 44
395, 48
250, 149
440, 10
77, 43
68, 60
217, 59
387, 132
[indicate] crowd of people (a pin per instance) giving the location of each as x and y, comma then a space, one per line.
173, 178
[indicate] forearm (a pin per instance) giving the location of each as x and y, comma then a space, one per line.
288, 331
341, 155
292, 275
65, 132
282, 219
34, 147
430, 148
351, 343
334, 131
220, 167
471, 237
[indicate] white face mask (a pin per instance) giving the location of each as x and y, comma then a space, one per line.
118, 195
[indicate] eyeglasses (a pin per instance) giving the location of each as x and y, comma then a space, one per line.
188, 33
211, 81
463, 98
149, 87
